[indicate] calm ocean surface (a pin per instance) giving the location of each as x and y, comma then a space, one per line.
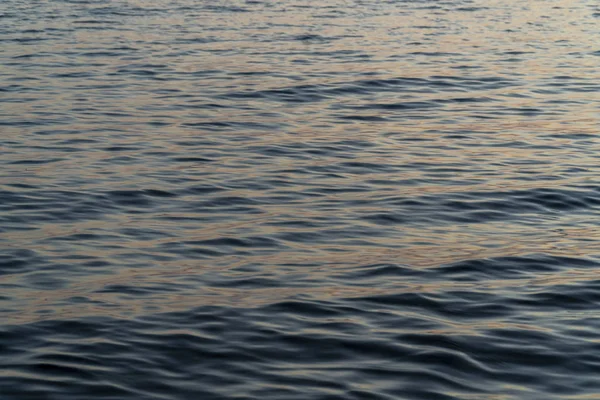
299, 200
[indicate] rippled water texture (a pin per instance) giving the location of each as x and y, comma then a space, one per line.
292, 199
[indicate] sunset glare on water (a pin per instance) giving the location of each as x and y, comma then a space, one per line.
299, 200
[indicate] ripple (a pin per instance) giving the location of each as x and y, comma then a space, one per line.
343, 200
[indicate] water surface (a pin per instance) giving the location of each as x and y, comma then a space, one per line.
352, 199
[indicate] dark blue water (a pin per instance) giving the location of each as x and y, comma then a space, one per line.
292, 199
